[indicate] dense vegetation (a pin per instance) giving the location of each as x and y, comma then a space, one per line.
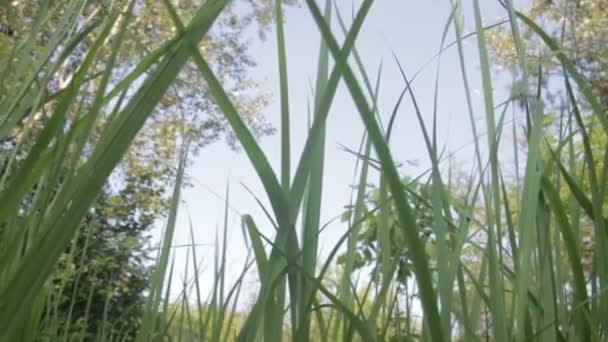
104, 103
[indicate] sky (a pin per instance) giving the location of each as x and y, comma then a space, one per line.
412, 31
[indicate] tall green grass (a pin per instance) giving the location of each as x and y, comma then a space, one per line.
527, 281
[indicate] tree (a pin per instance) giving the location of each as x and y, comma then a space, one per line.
188, 112
582, 29
401, 321
98, 288
368, 245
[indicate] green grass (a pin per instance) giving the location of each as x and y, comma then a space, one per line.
526, 280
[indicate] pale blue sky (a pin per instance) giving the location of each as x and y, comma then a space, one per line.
412, 29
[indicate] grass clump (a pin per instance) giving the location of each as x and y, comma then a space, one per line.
492, 258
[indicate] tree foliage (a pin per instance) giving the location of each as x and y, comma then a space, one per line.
367, 246
99, 285
580, 25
